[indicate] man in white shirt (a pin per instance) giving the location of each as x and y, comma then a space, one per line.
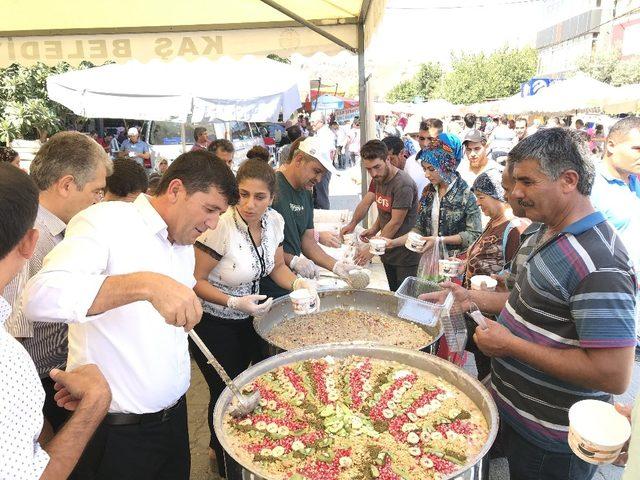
477, 160
84, 390
123, 280
70, 170
502, 139
327, 140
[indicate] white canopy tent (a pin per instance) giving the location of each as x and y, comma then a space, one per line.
577, 93
624, 99
182, 91
51, 32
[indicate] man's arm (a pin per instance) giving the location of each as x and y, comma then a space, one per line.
605, 369
90, 399
17, 324
73, 286
314, 252
391, 228
360, 212
487, 302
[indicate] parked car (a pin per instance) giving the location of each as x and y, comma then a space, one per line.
165, 140
272, 133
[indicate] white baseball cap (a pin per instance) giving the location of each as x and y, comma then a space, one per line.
313, 147
132, 131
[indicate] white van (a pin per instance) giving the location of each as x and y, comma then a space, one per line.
165, 141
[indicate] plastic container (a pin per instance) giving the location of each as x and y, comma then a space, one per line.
421, 311
597, 432
377, 246
303, 301
455, 329
415, 242
483, 282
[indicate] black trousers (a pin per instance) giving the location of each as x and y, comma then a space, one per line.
157, 450
397, 273
52, 412
236, 345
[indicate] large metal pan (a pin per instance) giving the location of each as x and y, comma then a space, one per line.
368, 300
238, 470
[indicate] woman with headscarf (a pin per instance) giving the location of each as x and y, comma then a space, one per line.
447, 206
495, 247
500, 239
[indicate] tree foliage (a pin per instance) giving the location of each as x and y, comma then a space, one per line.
25, 109
479, 77
423, 84
607, 66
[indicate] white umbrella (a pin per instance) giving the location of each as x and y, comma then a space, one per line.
438, 108
624, 99
577, 93
249, 89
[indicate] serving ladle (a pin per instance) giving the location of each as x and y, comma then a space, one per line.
246, 403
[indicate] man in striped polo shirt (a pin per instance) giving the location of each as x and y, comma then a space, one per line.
567, 332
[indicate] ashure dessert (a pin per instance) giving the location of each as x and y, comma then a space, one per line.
356, 418
343, 325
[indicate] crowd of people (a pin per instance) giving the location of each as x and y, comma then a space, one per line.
107, 263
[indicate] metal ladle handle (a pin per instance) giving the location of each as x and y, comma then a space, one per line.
216, 365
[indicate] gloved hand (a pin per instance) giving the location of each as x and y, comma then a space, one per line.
310, 285
342, 268
304, 267
249, 304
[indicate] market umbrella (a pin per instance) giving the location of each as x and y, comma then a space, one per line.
624, 99
249, 89
579, 93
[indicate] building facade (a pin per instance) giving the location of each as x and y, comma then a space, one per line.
580, 27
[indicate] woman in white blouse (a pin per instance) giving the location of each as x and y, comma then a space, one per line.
230, 261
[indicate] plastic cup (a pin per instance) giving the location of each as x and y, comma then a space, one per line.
415, 242
597, 432
451, 268
483, 282
377, 246
303, 301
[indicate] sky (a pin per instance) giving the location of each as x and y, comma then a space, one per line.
418, 31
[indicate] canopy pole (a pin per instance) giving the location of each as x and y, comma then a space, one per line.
365, 124
183, 139
309, 25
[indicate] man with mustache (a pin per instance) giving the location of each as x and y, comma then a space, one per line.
311, 161
567, 331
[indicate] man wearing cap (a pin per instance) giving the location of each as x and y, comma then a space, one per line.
327, 140
294, 202
477, 160
136, 149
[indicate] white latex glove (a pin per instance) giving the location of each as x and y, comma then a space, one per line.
342, 269
304, 267
249, 304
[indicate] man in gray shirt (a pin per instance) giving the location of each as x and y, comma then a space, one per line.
70, 171
396, 196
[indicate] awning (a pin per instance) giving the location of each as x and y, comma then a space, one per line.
53, 31
179, 91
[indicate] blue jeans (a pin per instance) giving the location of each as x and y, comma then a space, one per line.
530, 462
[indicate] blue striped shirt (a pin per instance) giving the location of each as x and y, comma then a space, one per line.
576, 290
